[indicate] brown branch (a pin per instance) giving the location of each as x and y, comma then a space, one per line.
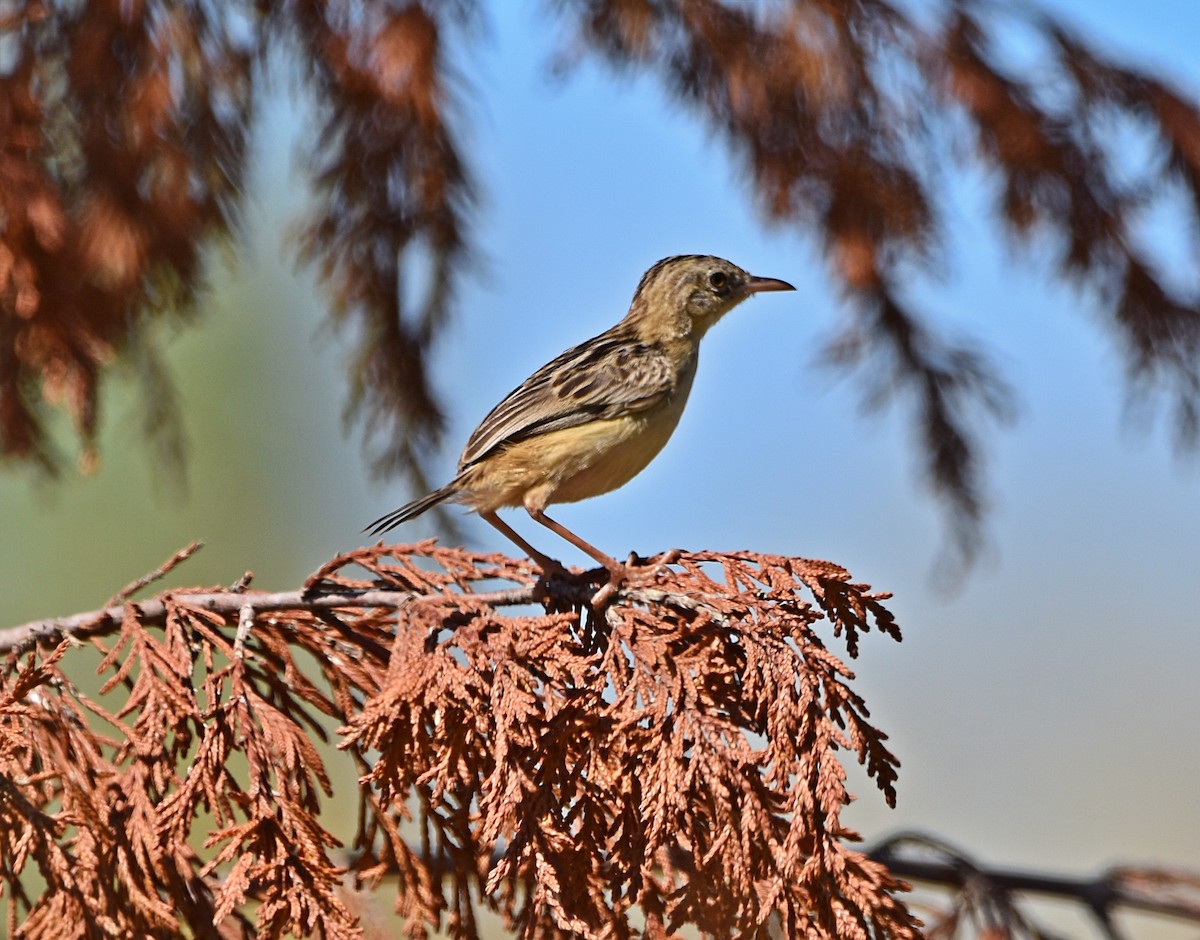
153, 612
573, 591
1151, 890
920, 858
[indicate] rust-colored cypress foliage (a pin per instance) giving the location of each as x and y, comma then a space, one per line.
123, 135
676, 760
392, 184
122, 149
677, 754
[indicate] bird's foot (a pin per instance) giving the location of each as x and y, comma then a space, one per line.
617, 575
654, 562
553, 570
636, 569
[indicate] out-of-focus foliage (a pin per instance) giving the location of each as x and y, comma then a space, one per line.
847, 115
994, 903
122, 147
124, 142
125, 128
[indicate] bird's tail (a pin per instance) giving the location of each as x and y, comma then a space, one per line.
411, 510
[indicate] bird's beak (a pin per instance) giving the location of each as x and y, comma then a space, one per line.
759, 284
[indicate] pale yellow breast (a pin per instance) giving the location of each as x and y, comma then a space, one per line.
577, 463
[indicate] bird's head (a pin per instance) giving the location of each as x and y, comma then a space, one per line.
686, 294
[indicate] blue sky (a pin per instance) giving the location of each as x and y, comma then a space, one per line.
1045, 711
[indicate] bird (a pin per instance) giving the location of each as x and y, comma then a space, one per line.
594, 417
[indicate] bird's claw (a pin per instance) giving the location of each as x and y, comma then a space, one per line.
555, 570
603, 596
635, 568
551, 571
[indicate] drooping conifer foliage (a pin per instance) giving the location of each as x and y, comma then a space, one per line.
124, 129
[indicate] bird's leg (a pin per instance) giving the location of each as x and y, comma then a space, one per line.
545, 562
562, 531
617, 571
654, 562
646, 569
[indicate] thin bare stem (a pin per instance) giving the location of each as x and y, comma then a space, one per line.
150, 577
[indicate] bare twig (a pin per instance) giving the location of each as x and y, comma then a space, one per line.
20, 639
317, 595
920, 858
149, 578
1161, 892
98, 622
242, 583
245, 623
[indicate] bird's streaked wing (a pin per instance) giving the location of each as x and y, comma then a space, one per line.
608, 376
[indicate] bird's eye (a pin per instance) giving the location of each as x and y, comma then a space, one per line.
717, 280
